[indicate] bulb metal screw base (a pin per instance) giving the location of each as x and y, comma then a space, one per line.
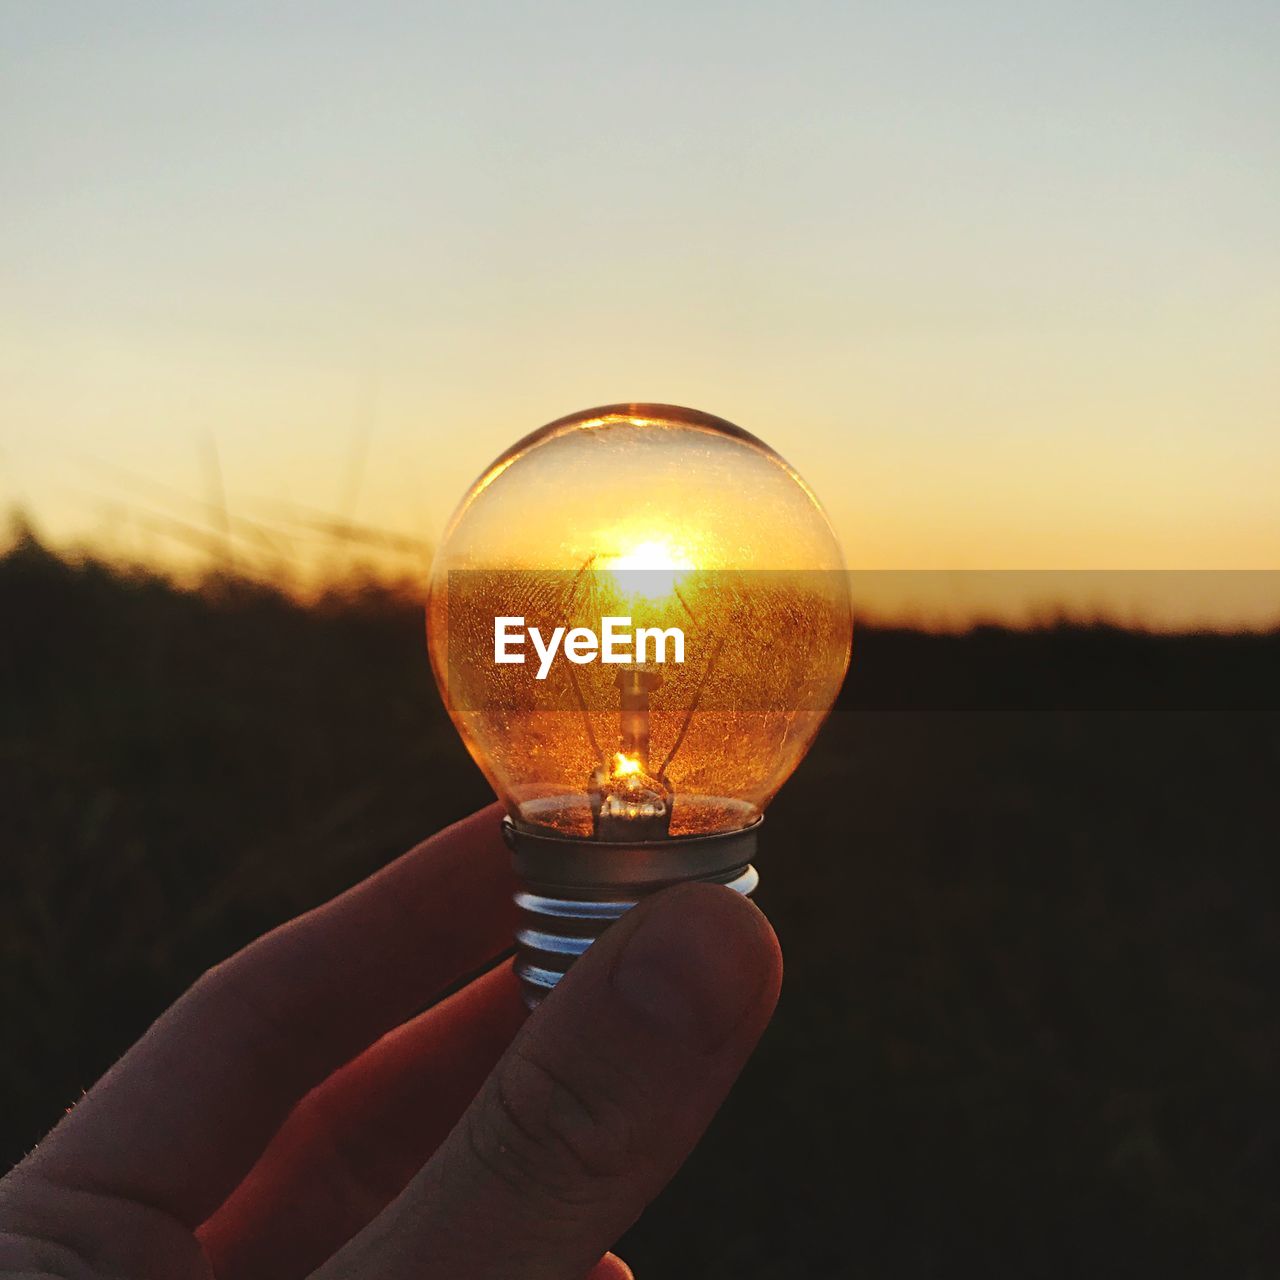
571, 889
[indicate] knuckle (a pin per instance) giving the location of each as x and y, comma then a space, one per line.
547, 1134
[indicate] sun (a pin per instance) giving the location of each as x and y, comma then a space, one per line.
649, 569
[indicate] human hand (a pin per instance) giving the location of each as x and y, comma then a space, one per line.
294, 1114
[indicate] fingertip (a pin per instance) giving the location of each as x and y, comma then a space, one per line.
700, 961
611, 1267
481, 830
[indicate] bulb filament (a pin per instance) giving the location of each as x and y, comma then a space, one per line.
627, 801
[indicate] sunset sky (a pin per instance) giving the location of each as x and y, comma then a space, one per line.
1002, 280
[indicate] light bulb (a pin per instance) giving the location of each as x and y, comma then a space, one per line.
638, 618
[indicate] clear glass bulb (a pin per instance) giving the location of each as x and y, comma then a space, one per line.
676, 521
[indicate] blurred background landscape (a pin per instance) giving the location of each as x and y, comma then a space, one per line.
1026, 884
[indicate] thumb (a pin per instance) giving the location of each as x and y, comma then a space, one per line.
595, 1105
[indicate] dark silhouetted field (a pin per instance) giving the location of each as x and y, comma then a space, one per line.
1026, 885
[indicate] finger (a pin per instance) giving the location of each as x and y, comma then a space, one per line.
353, 1143
178, 1121
611, 1267
595, 1105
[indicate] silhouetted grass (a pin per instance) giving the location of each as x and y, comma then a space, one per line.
1026, 884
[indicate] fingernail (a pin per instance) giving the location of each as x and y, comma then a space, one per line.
695, 965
